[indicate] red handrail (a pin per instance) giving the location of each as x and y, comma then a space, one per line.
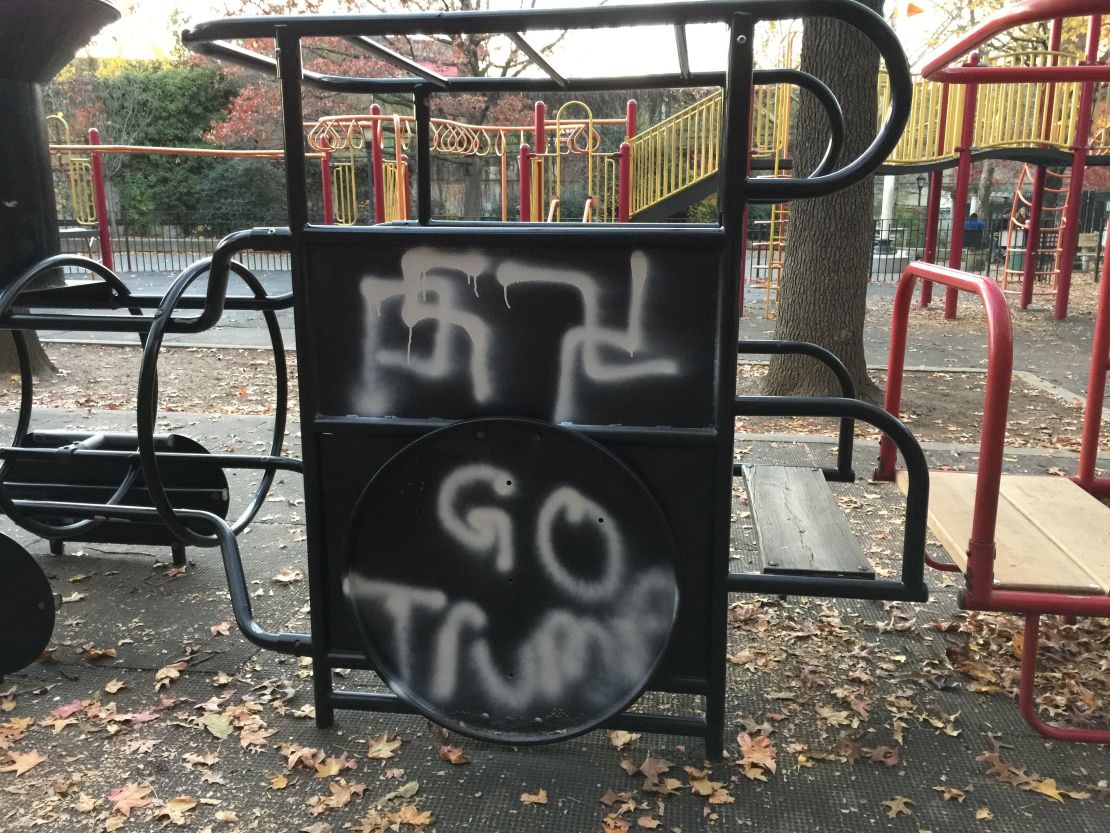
937, 68
1000, 360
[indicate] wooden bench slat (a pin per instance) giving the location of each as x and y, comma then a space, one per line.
1026, 558
801, 528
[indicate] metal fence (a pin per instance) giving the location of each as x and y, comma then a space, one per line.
176, 241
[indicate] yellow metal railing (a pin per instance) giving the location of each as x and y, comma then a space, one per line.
75, 170
676, 153
344, 194
394, 175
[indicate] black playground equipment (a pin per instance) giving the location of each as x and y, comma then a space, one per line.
517, 438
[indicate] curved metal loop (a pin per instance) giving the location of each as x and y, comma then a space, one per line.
825, 97
26, 398
872, 26
147, 404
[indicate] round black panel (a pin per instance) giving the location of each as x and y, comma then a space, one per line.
512, 580
26, 608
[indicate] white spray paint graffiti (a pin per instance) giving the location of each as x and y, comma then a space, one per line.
595, 638
431, 295
484, 528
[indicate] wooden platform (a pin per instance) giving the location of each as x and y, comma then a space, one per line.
1051, 535
801, 529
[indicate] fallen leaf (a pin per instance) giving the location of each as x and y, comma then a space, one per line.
226, 816
125, 799
278, 782
85, 803
288, 575
221, 679
175, 809
652, 768
382, 747
75, 596
984, 814
90, 653
898, 806
222, 629
949, 793
114, 686
405, 791
167, 674
453, 755
21, 762
620, 738
538, 797
1048, 789
218, 725
648, 822
411, 814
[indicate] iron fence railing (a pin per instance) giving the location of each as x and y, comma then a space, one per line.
172, 243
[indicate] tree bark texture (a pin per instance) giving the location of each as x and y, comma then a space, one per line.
827, 261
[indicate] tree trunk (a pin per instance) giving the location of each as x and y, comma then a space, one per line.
9, 361
827, 262
472, 187
986, 188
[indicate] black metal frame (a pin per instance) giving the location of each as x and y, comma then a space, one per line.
736, 189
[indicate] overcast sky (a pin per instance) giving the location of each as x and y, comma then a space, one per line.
147, 30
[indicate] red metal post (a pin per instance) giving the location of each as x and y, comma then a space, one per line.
1096, 387
377, 171
1000, 359
1069, 234
325, 182
524, 163
539, 128
932, 210
963, 179
100, 199
1033, 237
631, 111
624, 183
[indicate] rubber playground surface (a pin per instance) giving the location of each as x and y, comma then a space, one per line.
151, 711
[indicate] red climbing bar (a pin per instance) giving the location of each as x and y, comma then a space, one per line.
963, 180
632, 110
1000, 358
1096, 388
100, 200
1069, 234
524, 163
377, 165
325, 182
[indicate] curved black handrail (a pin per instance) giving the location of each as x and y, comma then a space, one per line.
147, 400
825, 97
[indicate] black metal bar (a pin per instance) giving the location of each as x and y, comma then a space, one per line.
846, 439
663, 724
423, 109
825, 97
398, 60
179, 459
537, 58
284, 643
833, 588
368, 701
917, 468
683, 50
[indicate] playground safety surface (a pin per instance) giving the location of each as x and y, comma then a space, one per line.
884, 717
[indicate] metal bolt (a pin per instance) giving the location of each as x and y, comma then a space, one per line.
741, 39
772, 564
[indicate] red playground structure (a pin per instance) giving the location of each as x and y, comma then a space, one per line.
1028, 545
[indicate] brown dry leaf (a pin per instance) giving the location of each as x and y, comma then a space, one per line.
255, 737
834, 717
538, 797
7, 704
1048, 789
85, 803
652, 768
174, 810
278, 782
949, 793
614, 824
221, 629
984, 814
288, 575
90, 653
382, 747
648, 822
721, 796
114, 822
75, 596
226, 816
168, 673
898, 806
21, 762
328, 768
620, 738
757, 752
192, 759
411, 814
113, 686
125, 799
629, 767
886, 755
316, 827
372, 822
453, 755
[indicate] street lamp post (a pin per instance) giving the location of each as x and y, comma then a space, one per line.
922, 181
